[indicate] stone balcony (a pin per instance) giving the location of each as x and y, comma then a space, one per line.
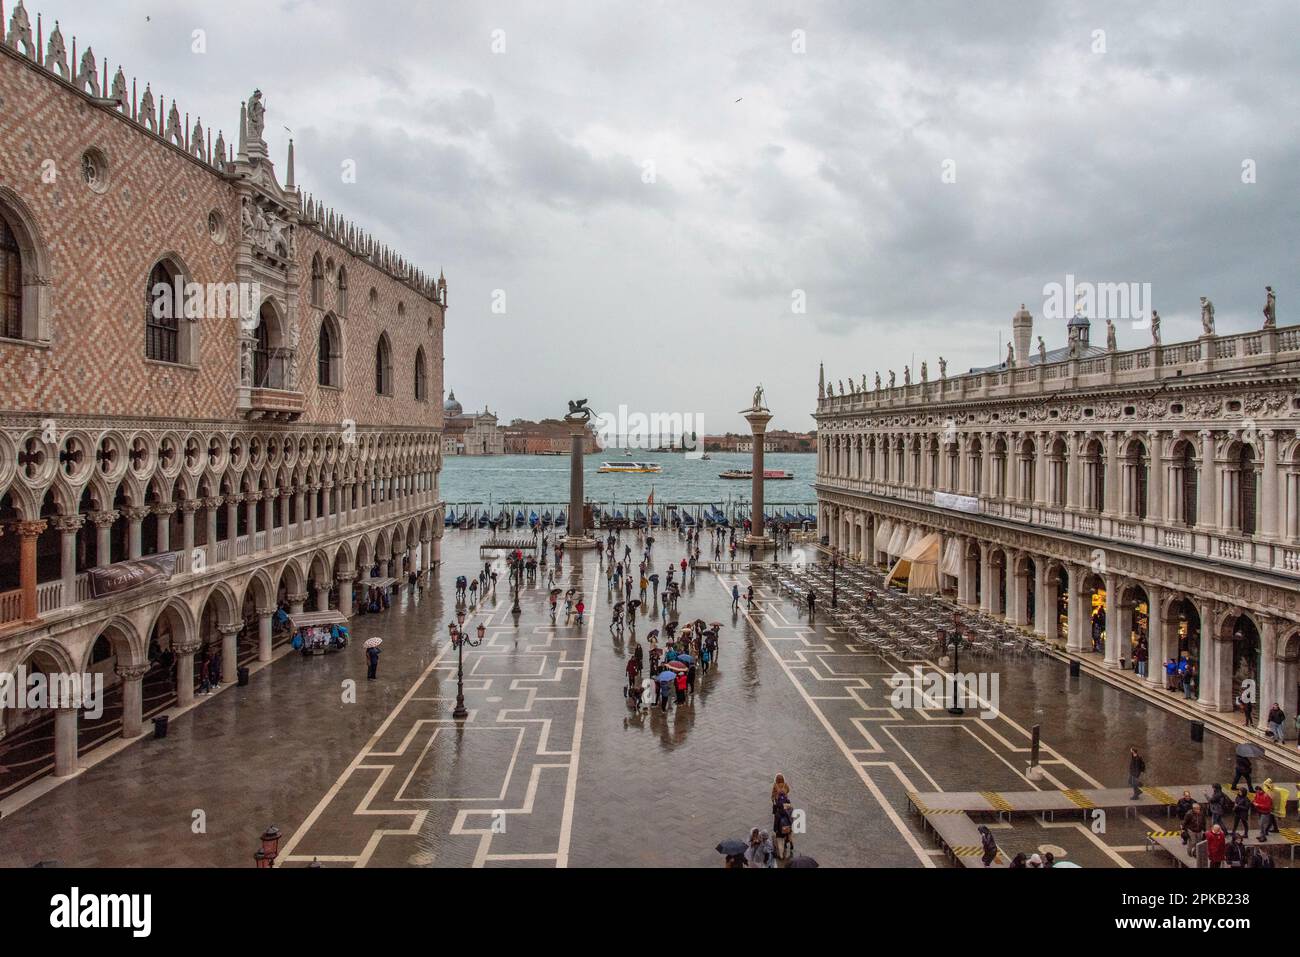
273, 404
1219, 354
1175, 541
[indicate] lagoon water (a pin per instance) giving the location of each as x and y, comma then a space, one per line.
544, 479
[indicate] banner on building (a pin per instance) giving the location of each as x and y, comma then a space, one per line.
125, 576
958, 503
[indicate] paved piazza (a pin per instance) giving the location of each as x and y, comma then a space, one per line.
552, 769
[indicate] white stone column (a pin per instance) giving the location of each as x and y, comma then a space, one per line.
1157, 635
986, 578
132, 677
68, 526
164, 512
135, 516
1111, 503
1269, 683
265, 617
1077, 621
345, 580
103, 522
1269, 523
185, 672
1112, 620
296, 600
1207, 486
229, 651
65, 742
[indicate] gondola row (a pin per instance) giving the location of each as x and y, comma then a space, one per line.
684, 517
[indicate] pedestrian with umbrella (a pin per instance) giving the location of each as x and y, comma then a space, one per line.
734, 853
372, 656
1242, 766
666, 679
555, 598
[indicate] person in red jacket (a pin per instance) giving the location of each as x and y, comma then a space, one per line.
1264, 808
1216, 846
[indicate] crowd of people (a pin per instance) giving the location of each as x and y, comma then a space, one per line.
766, 848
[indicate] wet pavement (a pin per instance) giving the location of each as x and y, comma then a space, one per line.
553, 769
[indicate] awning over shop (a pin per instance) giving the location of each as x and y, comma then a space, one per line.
919, 565
312, 619
898, 541
952, 558
377, 582
914, 536
883, 531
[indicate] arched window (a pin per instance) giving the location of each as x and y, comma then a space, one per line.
329, 354
261, 356
164, 308
11, 282
1247, 490
383, 367
421, 386
317, 282
1189, 484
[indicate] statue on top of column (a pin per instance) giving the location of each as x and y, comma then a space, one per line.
256, 116
1155, 328
1207, 317
758, 405
1111, 343
1270, 309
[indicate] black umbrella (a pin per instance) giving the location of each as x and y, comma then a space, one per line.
634, 604
732, 847
1249, 749
802, 861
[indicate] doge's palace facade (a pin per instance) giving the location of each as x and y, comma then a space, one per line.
284, 450
1120, 501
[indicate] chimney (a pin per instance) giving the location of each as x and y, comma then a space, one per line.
1022, 327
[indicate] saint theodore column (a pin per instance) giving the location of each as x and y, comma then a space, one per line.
757, 415
577, 418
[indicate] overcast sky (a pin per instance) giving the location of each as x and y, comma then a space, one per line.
780, 162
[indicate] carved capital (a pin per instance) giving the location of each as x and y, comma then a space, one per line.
165, 508
132, 672
29, 529
102, 519
190, 647
67, 523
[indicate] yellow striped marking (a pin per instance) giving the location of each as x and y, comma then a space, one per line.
997, 800
1079, 798
1161, 795
1291, 834
1157, 835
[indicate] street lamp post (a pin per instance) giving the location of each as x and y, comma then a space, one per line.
516, 573
459, 638
834, 583
954, 639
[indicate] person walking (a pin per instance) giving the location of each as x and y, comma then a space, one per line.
1247, 702
1136, 768
1216, 846
1241, 812
782, 827
812, 603
1193, 828
580, 608
988, 846
1276, 721
1264, 808
1242, 769
1218, 805
372, 663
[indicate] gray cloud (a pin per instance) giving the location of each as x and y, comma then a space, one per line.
522, 171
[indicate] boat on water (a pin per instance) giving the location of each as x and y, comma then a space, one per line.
768, 474
636, 467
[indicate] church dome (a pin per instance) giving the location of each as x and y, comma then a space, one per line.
451, 406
